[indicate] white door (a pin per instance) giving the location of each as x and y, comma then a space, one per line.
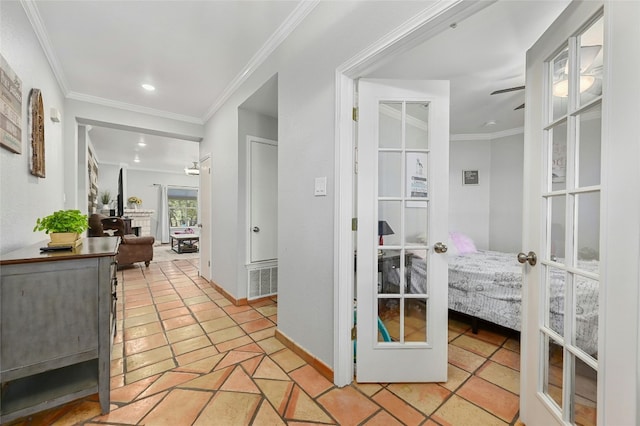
205, 218
403, 181
263, 160
562, 291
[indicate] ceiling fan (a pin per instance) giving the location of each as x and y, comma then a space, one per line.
510, 89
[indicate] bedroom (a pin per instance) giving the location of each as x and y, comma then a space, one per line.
489, 212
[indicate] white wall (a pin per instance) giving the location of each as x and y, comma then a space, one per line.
505, 214
249, 124
469, 204
24, 197
305, 64
108, 181
491, 212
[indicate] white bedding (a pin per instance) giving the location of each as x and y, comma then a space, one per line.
487, 285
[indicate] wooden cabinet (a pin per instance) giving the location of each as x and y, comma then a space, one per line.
57, 312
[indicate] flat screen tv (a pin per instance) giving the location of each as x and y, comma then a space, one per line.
120, 211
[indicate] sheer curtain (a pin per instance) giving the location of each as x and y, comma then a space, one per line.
163, 215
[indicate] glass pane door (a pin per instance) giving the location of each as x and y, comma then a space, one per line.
403, 214
570, 261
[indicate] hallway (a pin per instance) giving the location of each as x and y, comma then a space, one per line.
184, 355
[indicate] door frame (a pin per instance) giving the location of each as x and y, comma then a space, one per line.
423, 26
205, 220
248, 142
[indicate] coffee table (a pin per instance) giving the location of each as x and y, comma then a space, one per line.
184, 243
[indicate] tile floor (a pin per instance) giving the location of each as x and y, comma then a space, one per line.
184, 355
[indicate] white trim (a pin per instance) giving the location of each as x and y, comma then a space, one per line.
486, 136
131, 107
343, 276
291, 23
33, 14
423, 26
261, 265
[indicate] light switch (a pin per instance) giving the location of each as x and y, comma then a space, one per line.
321, 186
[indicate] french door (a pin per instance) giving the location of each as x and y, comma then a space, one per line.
562, 224
403, 149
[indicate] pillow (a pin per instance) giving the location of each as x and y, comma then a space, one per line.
452, 250
463, 243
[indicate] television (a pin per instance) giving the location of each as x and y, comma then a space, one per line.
120, 211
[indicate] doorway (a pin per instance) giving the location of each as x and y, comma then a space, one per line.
258, 151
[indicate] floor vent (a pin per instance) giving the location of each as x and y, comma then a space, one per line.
263, 281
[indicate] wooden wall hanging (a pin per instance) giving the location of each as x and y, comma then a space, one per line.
10, 108
36, 128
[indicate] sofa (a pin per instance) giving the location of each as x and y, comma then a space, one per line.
132, 248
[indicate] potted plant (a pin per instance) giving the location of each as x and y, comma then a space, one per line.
105, 199
64, 226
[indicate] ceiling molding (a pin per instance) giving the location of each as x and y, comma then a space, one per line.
129, 167
131, 107
486, 136
33, 14
294, 19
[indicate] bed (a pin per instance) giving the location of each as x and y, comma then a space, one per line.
487, 285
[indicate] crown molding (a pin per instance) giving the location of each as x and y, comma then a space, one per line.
33, 14
131, 107
294, 19
129, 167
486, 136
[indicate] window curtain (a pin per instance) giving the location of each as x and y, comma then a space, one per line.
163, 215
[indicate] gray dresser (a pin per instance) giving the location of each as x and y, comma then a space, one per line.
57, 323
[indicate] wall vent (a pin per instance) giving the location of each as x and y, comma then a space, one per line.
263, 281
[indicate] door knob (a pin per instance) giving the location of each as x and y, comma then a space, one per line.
256, 229
530, 257
440, 247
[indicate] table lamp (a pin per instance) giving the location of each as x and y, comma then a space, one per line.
383, 229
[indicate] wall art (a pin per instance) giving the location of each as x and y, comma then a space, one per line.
10, 108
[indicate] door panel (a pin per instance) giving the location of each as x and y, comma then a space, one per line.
562, 220
264, 199
403, 148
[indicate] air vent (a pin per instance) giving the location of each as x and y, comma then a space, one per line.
263, 281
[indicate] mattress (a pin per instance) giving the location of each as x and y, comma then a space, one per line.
487, 285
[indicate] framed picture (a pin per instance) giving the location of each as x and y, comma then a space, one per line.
470, 177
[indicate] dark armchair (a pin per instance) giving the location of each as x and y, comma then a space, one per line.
132, 248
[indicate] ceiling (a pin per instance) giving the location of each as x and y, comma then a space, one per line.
196, 52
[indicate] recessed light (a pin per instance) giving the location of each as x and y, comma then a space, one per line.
142, 143
490, 123
148, 87
136, 159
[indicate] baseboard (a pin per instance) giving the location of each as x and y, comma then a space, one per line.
228, 296
320, 366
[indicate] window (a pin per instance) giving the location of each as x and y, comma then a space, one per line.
183, 207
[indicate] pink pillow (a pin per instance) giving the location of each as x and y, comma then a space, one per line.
463, 243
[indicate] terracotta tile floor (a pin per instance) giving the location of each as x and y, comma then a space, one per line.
184, 355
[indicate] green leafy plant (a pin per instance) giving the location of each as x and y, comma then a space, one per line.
105, 197
63, 221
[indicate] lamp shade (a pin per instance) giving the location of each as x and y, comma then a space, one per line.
384, 228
